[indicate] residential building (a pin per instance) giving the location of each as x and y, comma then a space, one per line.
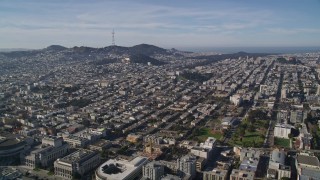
153, 171
187, 166
237, 174
215, 175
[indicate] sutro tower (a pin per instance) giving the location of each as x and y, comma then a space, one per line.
113, 41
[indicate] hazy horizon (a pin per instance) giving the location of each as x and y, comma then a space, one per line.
275, 49
183, 23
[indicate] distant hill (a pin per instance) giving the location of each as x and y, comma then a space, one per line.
138, 54
142, 53
83, 49
56, 48
147, 49
143, 59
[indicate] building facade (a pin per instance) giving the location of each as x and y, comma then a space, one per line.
153, 171
45, 154
187, 165
77, 163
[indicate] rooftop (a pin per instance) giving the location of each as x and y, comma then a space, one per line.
119, 169
78, 156
308, 160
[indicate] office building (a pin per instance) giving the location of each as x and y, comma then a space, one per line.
77, 163
115, 169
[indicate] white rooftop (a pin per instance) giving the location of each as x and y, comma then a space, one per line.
124, 168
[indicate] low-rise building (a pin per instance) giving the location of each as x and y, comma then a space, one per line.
76, 142
277, 168
282, 130
308, 167
45, 154
237, 174
215, 174
115, 169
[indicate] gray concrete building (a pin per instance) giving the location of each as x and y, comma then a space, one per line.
77, 163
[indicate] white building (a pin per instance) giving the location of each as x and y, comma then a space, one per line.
236, 99
205, 149
201, 152
209, 143
277, 168
282, 130
115, 169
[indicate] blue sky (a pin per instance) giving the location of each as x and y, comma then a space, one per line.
166, 23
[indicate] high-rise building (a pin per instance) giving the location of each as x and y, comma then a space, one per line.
187, 165
153, 171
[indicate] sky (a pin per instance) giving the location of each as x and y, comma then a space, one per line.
182, 24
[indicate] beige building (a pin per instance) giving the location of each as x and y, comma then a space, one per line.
76, 142
45, 154
215, 175
77, 163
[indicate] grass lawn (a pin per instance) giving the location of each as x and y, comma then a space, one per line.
250, 139
282, 142
206, 132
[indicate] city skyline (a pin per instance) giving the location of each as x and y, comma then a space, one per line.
178, 24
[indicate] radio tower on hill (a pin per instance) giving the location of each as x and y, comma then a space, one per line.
113, 41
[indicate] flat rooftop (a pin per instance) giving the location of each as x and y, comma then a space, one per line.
308, 160
119, 169
78, 156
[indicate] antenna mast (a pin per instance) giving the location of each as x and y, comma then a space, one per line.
113, 41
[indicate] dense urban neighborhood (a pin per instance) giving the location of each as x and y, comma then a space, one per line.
149, 113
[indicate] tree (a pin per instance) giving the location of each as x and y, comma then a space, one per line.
242, 131
86, 122
100, 120
251, 128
